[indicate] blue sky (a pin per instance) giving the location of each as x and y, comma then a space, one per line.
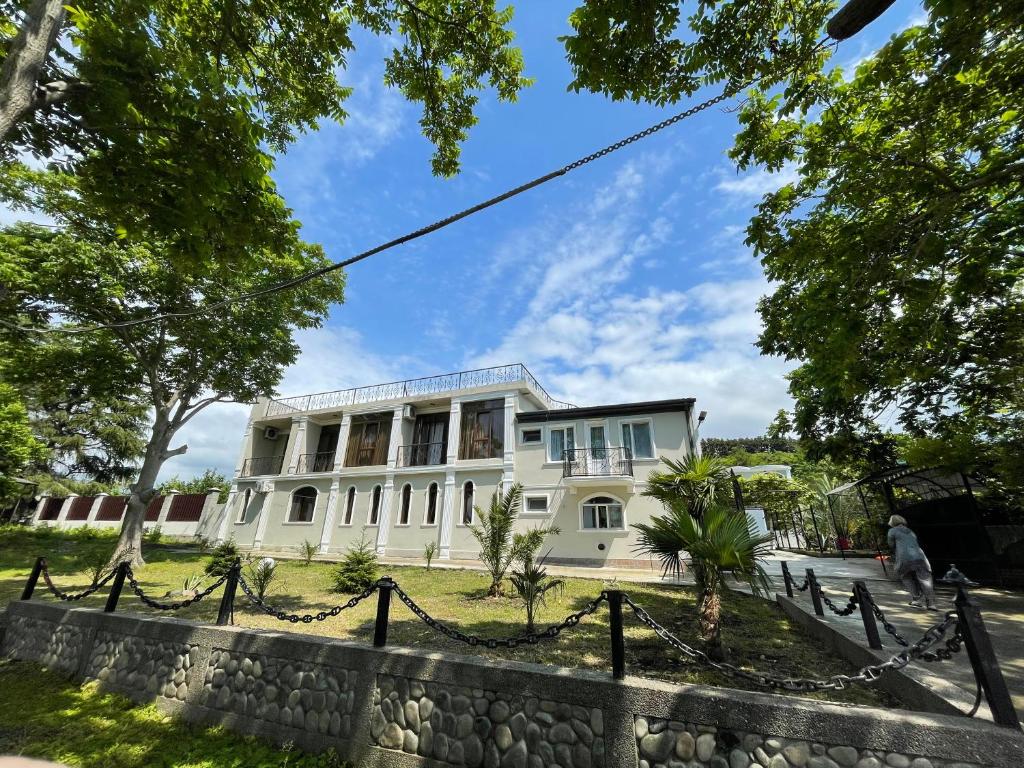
626, 280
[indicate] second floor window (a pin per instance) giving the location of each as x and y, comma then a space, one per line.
560, 440
483, 430
636, 436
368, 440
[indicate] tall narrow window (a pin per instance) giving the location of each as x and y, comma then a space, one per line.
467, 503
303, 505
483, 430
374, 506
560, 440
243, 507
431, 517
350, 505
403, 512
368, 440
636, 437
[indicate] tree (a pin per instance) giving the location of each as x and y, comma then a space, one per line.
718, 542
210, 480
19, 448
781, 426
532, 584
170, 110
699, 482
182, 363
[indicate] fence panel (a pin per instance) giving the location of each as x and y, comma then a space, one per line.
153, 510
51, 508
80, 508
112, 509
186, 508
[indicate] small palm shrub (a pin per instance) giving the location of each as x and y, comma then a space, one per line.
260, 575
429, 551
95, 564
532, 585
222, 558
307, 551
152, 536
357, 570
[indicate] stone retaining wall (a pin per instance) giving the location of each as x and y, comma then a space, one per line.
399, 708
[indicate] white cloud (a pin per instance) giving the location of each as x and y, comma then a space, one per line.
754, 185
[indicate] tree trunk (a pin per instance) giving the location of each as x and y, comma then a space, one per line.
19, 76
142, 492
709, 619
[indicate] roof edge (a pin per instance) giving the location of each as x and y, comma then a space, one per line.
622, 409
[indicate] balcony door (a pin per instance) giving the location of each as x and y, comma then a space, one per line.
429, 440
368, 441
599, 464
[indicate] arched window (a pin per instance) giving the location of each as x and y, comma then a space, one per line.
601, 513
374, 516
303, 505
403, 512
467, 503
430, 518
350, 505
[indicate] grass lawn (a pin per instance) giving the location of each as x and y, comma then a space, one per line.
757, 632
43, 715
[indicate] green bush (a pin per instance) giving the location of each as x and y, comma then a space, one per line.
222, 558
357, 569
152, 536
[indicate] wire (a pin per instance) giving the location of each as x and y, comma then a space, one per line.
440, 224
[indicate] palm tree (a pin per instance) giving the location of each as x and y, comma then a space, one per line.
532, 584
721, 541
698, 482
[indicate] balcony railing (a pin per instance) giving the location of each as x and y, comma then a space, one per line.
315, 462
262, 465
597, 462
422, 454
430, 385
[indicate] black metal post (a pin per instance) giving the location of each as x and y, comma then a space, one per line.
984, 662
788, 578
226, 613
860, 589
115, 590
380, 628
815, 590
618, 644
30, 585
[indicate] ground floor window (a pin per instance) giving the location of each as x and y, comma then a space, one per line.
602, 512
403, 513
303, 505
467, 503
350, 505
243, 505
374, 515
431, 516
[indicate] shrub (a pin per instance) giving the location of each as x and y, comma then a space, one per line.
308, 550
429, 551
357, 570
260, 575
532, 585
202, 543
94, 563
152, 536
222, 558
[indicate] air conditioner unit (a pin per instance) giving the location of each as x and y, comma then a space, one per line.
265, 486
271, 433
408, 412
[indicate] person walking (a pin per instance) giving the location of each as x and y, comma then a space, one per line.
912, 565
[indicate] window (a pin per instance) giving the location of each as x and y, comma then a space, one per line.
560, 440
636, 437
602, 512
350, 506
374, 515
244, 506
431, 517
535, 504
403, 513
429, 441
467, 503
483, 430
303, 505
532, 436
368, 440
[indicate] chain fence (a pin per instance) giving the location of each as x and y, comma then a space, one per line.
170, 606
530, 638
303, 618
851, 603
69, 597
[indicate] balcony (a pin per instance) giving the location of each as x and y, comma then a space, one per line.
315, 462
399, 390
262, 465
584, 465
422, 454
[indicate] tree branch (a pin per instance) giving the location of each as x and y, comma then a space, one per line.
173, 452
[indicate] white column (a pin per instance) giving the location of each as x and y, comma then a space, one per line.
298, 439
339, 452
329, 513
246, 451
454, 430
40, 506
95, 508
384, 519
261, 525
509, 455
447, 516
165, 508
62, 516
227, 516
396, 438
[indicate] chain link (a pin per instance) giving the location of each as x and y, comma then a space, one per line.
803, 587
170, 606
851, 603
531, 638
304, 618
73, 597
868, 674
